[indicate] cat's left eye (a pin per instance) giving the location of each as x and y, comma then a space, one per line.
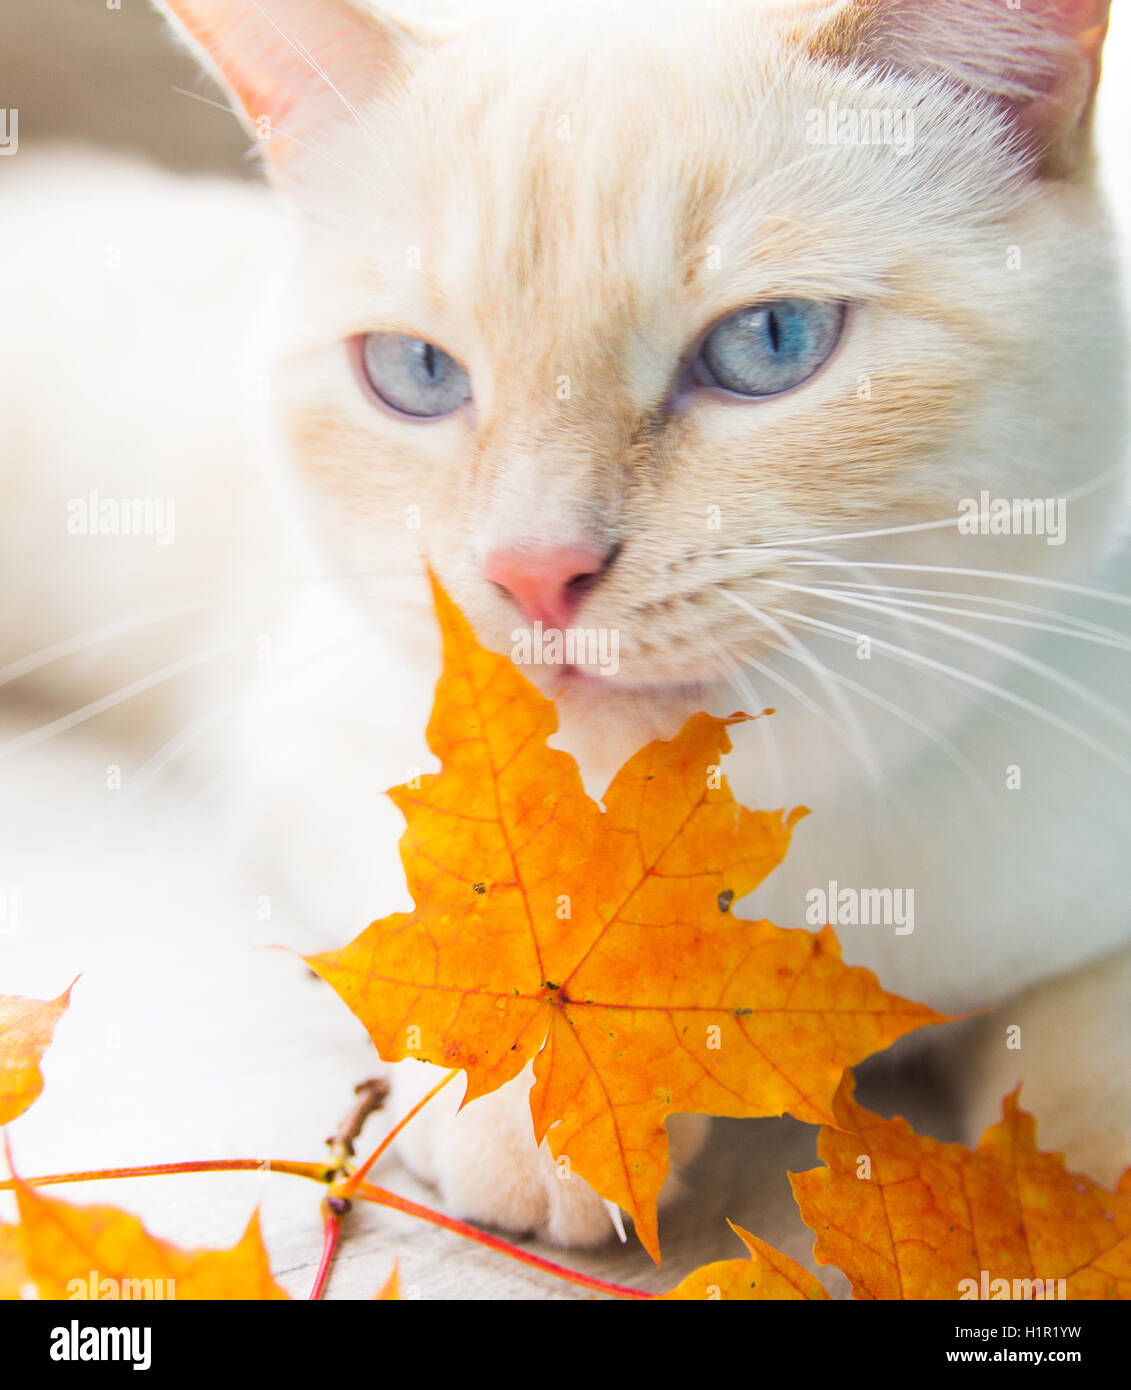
770, 348
413, 377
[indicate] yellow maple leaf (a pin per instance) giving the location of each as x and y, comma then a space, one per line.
26, 1029
13, 1271
66, 1248
907, 1217
767, 1274
600, 944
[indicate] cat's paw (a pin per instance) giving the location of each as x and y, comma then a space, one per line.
487, 1168
1067, 1042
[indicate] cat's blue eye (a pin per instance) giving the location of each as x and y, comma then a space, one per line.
770, 348
412, 376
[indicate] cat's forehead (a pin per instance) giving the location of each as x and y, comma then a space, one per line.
619, 163
612, 196
584, 154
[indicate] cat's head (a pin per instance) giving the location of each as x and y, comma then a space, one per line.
612, 309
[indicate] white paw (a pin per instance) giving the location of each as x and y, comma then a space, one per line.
487, 1168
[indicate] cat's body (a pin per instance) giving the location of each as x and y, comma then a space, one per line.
572, 268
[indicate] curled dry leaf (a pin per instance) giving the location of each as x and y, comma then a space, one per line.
26, 1029
906, 1217
767, 1274
61, 1244
600, 944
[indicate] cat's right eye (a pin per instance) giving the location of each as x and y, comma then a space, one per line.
770, 348
413, 377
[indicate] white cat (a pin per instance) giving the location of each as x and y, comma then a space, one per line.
725, 330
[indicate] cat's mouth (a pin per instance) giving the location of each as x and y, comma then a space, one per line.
604, 720
602, 668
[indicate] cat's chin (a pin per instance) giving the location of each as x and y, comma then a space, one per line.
573, 681
603, 721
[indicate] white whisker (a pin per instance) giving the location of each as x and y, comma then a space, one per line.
909, 529
16, 670
976, 682
1053, 629
108, 702
1093, 484
999, 649
912, 721
746, 692
1074, 626
1006, 576
852, 733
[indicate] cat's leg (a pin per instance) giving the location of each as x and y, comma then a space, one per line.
1068, 1042
487, 1168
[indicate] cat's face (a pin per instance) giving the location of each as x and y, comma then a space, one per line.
682, 317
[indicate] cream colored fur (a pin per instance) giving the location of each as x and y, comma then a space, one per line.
566, 201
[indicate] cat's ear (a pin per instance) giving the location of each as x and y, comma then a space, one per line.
292, 68
1038, 58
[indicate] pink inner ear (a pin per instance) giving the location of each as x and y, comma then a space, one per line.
1041, 58
1086, 22
1077, 16
301, 63
1091, 38
299, 84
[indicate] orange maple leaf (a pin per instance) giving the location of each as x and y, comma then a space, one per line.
60, 1244
26, 1029
767, 1274
600, 944
921, 1217
13, 1271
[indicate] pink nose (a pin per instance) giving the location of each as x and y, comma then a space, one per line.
548, 585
